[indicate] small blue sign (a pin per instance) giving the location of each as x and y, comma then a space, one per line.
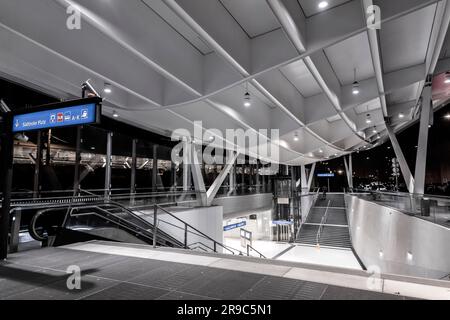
235, 226
282, 222
325, 175
63, 117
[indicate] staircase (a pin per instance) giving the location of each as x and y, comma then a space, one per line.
326, 224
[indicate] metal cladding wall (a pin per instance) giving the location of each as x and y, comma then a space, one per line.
396, 243
234, 206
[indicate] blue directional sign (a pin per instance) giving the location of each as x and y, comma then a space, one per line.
282, 222
60, 117
325, 175
235, 226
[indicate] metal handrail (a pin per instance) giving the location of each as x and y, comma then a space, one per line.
157, 207
322, 222
252, 248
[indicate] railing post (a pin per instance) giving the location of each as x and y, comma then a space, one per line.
185, 236
248, 250
15, 230
215, 246
155, 227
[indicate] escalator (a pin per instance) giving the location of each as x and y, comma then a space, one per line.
102, 221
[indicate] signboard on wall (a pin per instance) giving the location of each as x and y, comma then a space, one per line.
235, 226
325, 175
57, 115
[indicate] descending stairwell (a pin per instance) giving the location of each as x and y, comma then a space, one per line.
326, 224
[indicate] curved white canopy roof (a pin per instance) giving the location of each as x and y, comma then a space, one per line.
173, 62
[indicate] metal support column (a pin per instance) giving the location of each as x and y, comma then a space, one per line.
426, 119
304, 180
6, 172
258, 177
186, 166
15, 231
350, 168
409, 179
37, 165
215, 187
347, 172
155, 168
133, 166
76, 178
109, 136
243, 178
311, 176
232, 178
293, 192
197, 175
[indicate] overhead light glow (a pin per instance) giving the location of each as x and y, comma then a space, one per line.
323, 4
368, 119
447, 116
401, 115
115, 114
355, 88
296, 137
247, 100
107, 88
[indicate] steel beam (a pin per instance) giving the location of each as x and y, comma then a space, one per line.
197, 175
311, 176
426, 116
304, 180
215, 186
406, 172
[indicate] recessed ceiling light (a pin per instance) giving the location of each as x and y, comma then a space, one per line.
323, 4
115, 114
368, 119
107, 88
296, 137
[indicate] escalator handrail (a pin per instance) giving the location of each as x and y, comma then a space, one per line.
124, 222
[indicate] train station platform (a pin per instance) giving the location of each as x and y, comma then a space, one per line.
115, 271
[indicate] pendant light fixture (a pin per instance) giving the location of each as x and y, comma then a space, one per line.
355, 87
247, 97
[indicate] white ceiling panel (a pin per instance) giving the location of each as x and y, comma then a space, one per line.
403, 95
311, 7
254, 16
298, 74
369, 106
404, 41
353, 53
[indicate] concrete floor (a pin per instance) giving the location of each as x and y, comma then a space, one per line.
137, 273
